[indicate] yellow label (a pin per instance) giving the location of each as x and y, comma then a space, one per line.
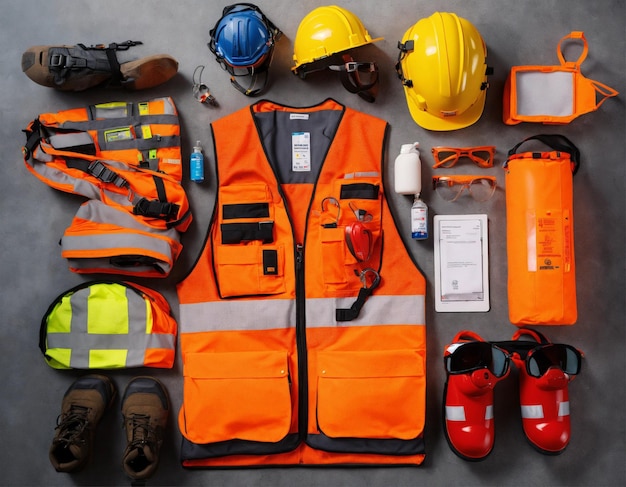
115, 135
113, 104
549, 240
146, 132
143, 108
567, 244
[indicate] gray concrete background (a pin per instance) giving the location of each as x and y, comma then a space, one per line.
517, 33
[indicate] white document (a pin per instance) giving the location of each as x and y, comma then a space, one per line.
461, 263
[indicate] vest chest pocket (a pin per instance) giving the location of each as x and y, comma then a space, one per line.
249, 270
353, 241
247, 259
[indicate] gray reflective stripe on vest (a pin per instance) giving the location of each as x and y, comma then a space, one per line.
85, 187
98, 265
121, 121
68, 141
99, 212
110, 244
378, 310
238, 315
276, 313
113, 116
140, 144
135, 342
71, 243
80, 186
75, 139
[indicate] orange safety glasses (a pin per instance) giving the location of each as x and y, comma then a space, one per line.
481, 188
448, 156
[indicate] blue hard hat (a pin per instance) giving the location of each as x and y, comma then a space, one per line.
243, 39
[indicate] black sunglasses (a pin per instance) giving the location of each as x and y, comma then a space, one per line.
470, 356
542, 358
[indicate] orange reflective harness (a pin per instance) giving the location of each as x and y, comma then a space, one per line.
126, 158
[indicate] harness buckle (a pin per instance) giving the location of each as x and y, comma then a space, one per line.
156, 209
99, 171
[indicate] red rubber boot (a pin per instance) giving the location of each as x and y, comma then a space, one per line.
545, 372
473, 369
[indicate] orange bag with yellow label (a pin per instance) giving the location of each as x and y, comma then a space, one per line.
540, 232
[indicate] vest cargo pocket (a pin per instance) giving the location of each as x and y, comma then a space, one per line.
249, 270
336, 276
236, 396
369, 395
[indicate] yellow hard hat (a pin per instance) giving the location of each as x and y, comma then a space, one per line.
326, 31
442, 65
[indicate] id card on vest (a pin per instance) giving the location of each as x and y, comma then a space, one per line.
300, 151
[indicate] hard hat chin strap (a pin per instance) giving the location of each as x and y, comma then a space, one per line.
253, 81
351, 81
404, 50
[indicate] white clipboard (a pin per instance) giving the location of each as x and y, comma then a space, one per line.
461, 263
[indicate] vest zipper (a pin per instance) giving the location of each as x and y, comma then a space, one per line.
303, 394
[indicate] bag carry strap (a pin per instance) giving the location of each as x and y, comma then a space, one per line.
556, 142
574, 36
604, 90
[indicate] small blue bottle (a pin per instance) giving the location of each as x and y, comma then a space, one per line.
196, 164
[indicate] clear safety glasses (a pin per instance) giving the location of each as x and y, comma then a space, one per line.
448, 156
469, 356
481, 188
544, 357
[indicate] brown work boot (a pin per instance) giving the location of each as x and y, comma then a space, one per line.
76, 68
82, 408
145, 407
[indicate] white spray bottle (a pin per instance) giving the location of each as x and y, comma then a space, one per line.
408, 180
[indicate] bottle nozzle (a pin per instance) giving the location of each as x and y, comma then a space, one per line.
406, 148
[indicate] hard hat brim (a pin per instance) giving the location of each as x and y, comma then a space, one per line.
312, 64
429, 121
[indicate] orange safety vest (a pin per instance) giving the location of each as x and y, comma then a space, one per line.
126, 158
294, 351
